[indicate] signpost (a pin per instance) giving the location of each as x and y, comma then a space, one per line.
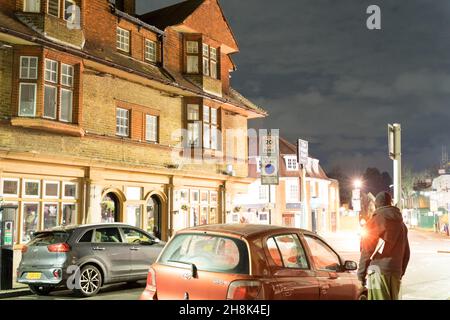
302, 152
395, 153
269, 151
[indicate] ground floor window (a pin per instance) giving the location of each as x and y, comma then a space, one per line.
42, 203
154, 216
110, 208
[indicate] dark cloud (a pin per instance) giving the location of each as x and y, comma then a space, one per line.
324, 77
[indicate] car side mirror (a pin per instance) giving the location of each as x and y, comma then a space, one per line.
350, 266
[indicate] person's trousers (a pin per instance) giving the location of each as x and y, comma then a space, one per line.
383, 287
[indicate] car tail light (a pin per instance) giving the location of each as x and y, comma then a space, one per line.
24, 249
151, 278
244, 290
59, 247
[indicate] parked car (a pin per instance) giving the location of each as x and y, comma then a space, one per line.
86, 257
244, 262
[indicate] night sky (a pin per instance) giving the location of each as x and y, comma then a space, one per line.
323, 76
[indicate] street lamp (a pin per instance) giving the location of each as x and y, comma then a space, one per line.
357, 183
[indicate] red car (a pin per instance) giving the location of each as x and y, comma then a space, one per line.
244, 262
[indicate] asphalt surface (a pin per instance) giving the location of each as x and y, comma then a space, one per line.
427, 277
428, 273
121, 291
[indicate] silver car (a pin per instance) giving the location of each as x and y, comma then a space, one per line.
84, 258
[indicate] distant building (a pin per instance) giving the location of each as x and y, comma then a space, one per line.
310, 203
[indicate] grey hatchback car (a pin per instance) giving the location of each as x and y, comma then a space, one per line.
84, 258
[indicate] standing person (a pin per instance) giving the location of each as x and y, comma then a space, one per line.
384, 251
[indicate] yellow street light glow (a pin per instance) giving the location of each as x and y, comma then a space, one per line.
358, 184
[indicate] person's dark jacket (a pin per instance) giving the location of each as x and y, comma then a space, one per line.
387, 224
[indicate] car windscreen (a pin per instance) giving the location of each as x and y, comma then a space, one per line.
48, 238
208, 253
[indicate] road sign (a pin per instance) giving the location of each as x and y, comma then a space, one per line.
356, 204
269, 152
356, 194
302, 151
393, 140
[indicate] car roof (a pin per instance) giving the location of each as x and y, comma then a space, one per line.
242, 230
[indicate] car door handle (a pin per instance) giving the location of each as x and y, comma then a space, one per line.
98, 249
135, 249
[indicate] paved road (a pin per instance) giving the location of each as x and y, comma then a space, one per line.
428, 274
112, 292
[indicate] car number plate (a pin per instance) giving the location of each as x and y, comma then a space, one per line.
33, 275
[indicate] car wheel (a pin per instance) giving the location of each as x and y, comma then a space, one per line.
40, 290
89, 282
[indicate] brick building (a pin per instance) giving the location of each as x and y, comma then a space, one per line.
305, 197
102, 111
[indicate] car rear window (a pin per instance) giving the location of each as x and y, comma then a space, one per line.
47, 238
208, 253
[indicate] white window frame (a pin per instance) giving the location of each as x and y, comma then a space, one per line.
192, 197
289, 184
21, 113
42, 227
52, 72
263, 189
61, 106
59, 8
26, 9
62, 212
149, 137
289, 161
56, 102
150, 50
67, 76
7, 195
121, 35
216, 195
203, 192
27, 77
26, 196
72, 16
46, 182
65, 183
119, 127
190, 48
22, 215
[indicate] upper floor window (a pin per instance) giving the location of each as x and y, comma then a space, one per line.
28, 67
151, 128
291, 163
205, 59
53, 7
32, 6
213, 63
123, 122
263, 191
193, 125
123, 39
192, 57
28, 88
150, 51
208, 124
292, 191
69, 10
58, 83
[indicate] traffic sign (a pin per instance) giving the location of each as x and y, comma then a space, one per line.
302, 151
269, 152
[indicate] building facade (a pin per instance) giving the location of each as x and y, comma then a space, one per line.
305, 197
110, 116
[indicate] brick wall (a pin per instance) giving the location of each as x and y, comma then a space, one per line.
6, 62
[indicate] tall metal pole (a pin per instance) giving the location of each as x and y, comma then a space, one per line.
270, 205
398, 166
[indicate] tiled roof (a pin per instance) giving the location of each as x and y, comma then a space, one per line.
172, 15
19, 28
